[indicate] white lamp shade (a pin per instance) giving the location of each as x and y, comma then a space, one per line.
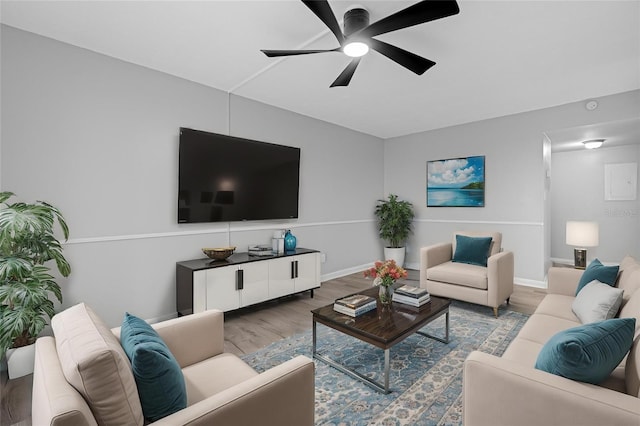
582, 234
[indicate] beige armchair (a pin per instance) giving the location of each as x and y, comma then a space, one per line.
489, 286
221, 388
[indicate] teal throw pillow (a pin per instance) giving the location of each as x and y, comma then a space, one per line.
597, 271
588, 353
472, 250
159, 379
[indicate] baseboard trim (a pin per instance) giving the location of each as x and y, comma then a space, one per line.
530, 283
344, 272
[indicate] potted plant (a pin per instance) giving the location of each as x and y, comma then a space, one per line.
27, 244
395, 218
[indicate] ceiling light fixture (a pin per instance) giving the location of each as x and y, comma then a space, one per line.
593, 143
356, 49
355, 20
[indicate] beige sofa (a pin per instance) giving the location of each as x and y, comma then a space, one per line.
221, 388
508, 390
488, 286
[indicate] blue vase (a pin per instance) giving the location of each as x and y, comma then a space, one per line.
289, 241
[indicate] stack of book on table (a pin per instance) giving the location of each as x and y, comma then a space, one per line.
260, 250
410, 295
354, 305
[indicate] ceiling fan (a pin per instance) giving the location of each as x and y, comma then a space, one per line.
358, 34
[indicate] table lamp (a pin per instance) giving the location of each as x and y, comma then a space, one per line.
580, 235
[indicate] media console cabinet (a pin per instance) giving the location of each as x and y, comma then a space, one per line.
243, 280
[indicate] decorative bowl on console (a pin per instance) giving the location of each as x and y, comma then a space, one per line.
218, 253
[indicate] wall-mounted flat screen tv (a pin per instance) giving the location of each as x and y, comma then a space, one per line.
225, 179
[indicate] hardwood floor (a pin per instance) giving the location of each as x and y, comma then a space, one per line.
250, 329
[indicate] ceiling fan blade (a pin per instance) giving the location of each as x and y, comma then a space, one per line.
323, 11
345, 76
419, 13
409, 60
275, 53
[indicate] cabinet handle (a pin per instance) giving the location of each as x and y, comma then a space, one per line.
239, 279
296, 269
293, 269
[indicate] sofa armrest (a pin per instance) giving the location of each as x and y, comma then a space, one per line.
193, 338
525, 396
563, 280
500, 272
282, 395
54, 401
431, 256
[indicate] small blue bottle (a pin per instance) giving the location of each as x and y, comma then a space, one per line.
289, 241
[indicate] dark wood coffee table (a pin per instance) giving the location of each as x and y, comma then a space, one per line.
383, 327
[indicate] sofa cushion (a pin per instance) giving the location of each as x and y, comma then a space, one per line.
597, 271
496, 240
460, 274
632, 310
558, 305
472, 250
95, 364
158, 376
597, 302
523, 351
215, 375
541, 327
632, 369
629, 278
588, 353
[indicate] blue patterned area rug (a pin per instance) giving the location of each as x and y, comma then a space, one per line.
425, 377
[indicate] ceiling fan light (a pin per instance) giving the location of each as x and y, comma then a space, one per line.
593, 143
356, 49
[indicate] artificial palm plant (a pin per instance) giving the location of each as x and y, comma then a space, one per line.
27, 243
395, 218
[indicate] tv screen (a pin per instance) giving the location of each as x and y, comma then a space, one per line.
224, 179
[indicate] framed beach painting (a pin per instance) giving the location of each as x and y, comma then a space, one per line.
456, 182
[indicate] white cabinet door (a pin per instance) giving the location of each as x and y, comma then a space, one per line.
307, 272
281, 277
199, 291
221, 289
255, 287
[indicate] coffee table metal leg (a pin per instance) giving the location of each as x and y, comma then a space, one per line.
446, 331
386, 370
353, 373
314, 338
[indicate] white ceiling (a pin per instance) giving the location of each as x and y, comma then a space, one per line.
495, 58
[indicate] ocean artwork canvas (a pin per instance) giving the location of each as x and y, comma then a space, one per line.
456, 182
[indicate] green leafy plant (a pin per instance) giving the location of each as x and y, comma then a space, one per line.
395, 219
27, 242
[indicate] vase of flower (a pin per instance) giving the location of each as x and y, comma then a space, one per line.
385, 294
384, 275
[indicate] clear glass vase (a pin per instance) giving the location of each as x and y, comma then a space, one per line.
385, 294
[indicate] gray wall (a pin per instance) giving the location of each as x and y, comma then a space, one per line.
515, 177
577, 193
98, 137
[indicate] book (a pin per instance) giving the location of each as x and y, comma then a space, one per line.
260, 253
355, 301
411, 300
354, 312
411, 291
260, 247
